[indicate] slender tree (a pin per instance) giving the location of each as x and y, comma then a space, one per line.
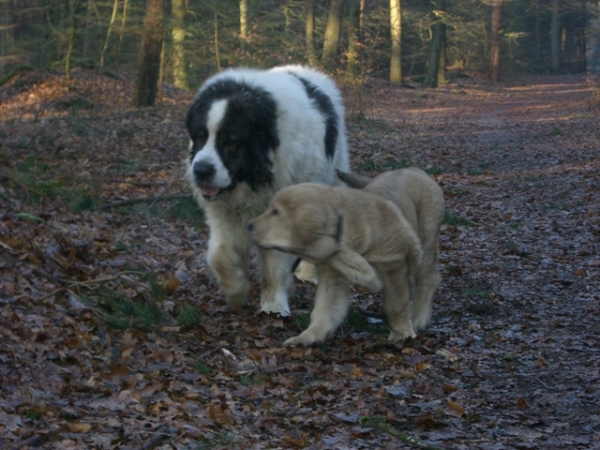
332, 33
495, 39
111, 24
243, 25
216, 39
7, 38
353, 40
396, 35
178, 11
146, 80
537, 34
436, 68
73, 5
310, 33
555, 36
89, 29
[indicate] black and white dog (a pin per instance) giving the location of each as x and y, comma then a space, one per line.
254, 132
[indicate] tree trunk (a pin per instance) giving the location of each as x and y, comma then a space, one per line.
354, 40
72, 32
537, 47
178, 36
396, 35
310, 33
580, 39
495, 39
121, 34
243, 25
146, 80
161, 71
441, 73
7, 34
332, 34
113, 19
555, 36
436, 67
216, 40
89, 30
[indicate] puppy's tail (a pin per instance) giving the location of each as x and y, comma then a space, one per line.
414, 259
353, 180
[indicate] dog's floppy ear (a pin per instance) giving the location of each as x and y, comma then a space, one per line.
352, 180
356, 269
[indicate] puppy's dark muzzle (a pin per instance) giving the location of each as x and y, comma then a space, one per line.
203, 171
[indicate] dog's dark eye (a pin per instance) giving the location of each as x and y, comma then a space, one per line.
201, 135
274, 212
230, 142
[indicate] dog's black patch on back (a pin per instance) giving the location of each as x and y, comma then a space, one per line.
246, 134
327, 109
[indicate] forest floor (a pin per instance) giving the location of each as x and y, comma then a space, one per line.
113, 333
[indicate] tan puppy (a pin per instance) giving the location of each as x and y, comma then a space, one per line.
361, 237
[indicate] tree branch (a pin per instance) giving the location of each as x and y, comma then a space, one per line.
134, 201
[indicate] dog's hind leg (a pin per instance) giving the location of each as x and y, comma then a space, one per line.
397, 305
331, 306
276, 281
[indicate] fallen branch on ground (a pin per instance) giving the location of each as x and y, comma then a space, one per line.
135, 201
379, 423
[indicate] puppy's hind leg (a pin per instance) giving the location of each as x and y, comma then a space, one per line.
427, 280
397, 305
331, 306
276, 280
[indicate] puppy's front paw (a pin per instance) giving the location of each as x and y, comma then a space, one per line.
307, 272
374, 285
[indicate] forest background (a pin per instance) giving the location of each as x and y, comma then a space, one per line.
182, 42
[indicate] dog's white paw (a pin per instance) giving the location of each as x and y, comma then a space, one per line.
271, 308
396, 336
236, 298
304, 341
295, 341
275, 304
309, 337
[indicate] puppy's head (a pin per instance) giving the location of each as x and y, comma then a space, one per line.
299, 220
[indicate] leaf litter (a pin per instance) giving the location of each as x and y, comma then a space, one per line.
114, 333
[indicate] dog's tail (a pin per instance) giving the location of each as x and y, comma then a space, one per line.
353, 180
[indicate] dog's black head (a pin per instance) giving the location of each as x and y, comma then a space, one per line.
233, 131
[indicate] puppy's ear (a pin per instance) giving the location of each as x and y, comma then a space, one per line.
352, 180
356, 269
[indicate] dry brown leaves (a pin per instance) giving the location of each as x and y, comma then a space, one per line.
511, 358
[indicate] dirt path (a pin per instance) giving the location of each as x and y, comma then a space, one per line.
529, 269
512, 357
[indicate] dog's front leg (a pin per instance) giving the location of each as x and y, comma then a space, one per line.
331, 307
276, 274
228, 259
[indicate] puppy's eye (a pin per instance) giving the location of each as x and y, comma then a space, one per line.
274, 212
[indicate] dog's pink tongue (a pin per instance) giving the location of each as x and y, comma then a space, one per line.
208, 191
